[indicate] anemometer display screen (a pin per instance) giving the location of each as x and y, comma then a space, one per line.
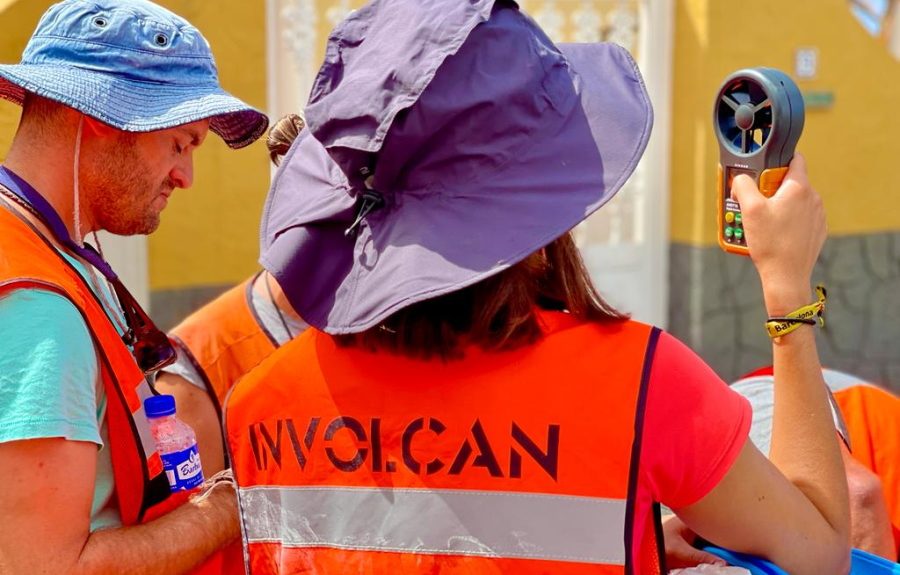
732, 173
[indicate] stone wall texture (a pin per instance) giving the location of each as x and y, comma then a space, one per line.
716, 307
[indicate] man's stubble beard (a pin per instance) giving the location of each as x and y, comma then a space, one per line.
121, 199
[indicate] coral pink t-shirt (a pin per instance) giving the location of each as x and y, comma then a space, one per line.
694, 428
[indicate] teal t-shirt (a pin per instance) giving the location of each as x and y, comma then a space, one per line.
49, 381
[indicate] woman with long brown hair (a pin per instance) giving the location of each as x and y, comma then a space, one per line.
467, 403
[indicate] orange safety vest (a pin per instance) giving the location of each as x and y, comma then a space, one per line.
28, 261
225, 339
872, 416
521, 462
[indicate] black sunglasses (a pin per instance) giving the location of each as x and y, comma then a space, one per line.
151, 348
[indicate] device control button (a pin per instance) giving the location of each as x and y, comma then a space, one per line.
729, 217
738, 233
738, 218
729, 232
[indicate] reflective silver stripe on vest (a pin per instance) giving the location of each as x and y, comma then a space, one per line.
450, 522
140, 418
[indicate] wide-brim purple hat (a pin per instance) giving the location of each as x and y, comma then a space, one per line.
130, 64
446, 142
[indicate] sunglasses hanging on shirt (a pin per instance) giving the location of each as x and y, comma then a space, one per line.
151, 347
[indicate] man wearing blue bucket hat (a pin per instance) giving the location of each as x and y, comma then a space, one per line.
116, 96
464, 401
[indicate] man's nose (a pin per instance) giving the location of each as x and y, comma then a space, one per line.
182, 175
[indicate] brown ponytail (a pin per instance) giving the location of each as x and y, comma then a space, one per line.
282, 134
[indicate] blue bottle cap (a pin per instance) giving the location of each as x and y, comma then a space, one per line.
159, 406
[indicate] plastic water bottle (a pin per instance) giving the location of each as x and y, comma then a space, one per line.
176, 443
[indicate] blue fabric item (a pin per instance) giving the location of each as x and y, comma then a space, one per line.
464, 140
861, 563
131, 64
755, 565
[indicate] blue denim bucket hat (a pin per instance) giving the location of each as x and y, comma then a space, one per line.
130, 64
446, 141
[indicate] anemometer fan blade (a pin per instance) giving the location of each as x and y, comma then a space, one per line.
765, 103
731, 103
745, 94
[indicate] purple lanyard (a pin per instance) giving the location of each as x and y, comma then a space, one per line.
24, 191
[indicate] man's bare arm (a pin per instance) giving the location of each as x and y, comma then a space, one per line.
197, 410
870, 523
49, 488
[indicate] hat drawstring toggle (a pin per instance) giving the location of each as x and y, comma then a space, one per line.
369, 201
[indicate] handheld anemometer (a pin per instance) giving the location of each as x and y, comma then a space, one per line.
758, 117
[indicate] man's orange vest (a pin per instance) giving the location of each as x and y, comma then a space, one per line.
27, 261
872, 416
225, 339
518, 462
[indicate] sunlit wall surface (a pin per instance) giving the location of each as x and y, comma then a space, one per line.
851, 84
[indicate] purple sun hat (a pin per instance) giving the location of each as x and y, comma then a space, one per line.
446, 142
130, 64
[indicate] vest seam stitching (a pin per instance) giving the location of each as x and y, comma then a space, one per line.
416, 490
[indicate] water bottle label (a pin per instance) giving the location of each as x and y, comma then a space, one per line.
183, 469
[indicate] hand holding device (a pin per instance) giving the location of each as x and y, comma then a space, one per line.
758, 118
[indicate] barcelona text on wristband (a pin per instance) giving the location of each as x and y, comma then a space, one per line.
807, 315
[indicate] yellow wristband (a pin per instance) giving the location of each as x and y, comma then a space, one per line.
806, 315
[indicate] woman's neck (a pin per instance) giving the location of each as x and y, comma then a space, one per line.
277, 294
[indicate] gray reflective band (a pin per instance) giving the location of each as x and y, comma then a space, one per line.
140, 418
447, 522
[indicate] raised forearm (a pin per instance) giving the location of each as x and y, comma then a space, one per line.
785, 234
172, 544
804, 445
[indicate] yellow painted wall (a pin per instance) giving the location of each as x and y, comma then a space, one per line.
208, 234
852, 148
17, 20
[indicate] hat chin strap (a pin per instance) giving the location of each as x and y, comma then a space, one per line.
79, 239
